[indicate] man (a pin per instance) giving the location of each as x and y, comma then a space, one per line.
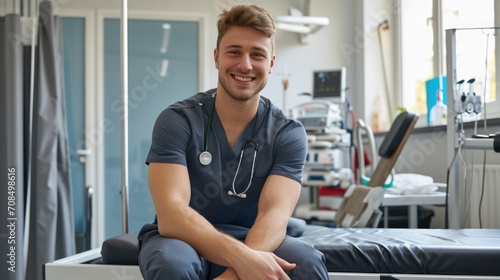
225, 168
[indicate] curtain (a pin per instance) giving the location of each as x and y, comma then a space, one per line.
12, 171
51, 234
40, 172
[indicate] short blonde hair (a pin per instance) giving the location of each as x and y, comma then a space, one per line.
248, 15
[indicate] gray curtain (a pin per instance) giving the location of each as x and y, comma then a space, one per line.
12, 170
51, 231
48, 210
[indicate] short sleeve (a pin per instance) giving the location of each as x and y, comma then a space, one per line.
290, 151
170, 138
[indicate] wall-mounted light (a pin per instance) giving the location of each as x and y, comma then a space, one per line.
166, 37
164, 48
301, 24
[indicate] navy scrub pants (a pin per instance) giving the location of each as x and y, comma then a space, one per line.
173, 259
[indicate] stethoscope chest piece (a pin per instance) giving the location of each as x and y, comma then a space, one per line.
205, 158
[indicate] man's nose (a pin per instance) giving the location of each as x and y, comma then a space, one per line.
245, 63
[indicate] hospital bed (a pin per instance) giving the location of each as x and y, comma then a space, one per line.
351, 253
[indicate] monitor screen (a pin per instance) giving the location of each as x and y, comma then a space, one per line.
329, 84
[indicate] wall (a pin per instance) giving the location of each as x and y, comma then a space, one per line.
326, 48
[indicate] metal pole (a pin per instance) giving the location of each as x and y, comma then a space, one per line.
124, 80
437, 28
453, 184
34, 35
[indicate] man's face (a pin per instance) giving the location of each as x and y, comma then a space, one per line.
244, 59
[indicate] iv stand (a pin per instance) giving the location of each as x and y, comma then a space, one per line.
455, 138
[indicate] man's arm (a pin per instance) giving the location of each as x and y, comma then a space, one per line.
170, 188
276, 204
277, 201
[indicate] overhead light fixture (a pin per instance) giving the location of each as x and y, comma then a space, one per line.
303, 25
166, 37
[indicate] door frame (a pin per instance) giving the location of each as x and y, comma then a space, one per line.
91, 123
95, 128
103, 14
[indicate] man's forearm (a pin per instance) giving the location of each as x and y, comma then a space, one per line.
267, 233
189, 226
275, 209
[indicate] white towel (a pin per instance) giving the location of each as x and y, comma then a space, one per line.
410, 183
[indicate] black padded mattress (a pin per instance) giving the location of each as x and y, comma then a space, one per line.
383, 250
408, 251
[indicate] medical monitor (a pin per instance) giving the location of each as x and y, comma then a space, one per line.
329, 85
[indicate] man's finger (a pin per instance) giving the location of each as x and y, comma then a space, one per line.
284, 264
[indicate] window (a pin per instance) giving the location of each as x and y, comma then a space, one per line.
423, 52
417, 53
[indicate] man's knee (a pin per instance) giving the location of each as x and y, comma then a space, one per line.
310, 263
310, 266
170, 260
170, 269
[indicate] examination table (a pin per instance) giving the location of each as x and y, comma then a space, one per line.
351, 253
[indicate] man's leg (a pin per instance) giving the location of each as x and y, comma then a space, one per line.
310, 262
167, 258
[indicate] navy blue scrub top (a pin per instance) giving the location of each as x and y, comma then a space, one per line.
178, 137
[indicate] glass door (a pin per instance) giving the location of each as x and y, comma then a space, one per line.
163, 65
73, 41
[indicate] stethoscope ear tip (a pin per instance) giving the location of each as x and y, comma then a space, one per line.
240, 195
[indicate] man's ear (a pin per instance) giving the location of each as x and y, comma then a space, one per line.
272, 63
216, 58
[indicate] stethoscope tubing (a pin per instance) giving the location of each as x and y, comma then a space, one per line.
206, 157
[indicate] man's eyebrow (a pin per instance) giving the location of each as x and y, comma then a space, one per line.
240, 47
233, 47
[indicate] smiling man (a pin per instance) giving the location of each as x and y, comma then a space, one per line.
225, 171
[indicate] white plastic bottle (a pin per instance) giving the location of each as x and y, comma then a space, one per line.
439, 112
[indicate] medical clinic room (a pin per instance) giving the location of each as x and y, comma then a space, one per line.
243, 140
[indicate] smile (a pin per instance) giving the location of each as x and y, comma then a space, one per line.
243, 79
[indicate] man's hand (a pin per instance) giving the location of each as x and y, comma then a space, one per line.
274, 267
262, 265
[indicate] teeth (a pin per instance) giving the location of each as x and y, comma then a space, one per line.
243, 79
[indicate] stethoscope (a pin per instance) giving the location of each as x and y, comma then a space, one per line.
206, 156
